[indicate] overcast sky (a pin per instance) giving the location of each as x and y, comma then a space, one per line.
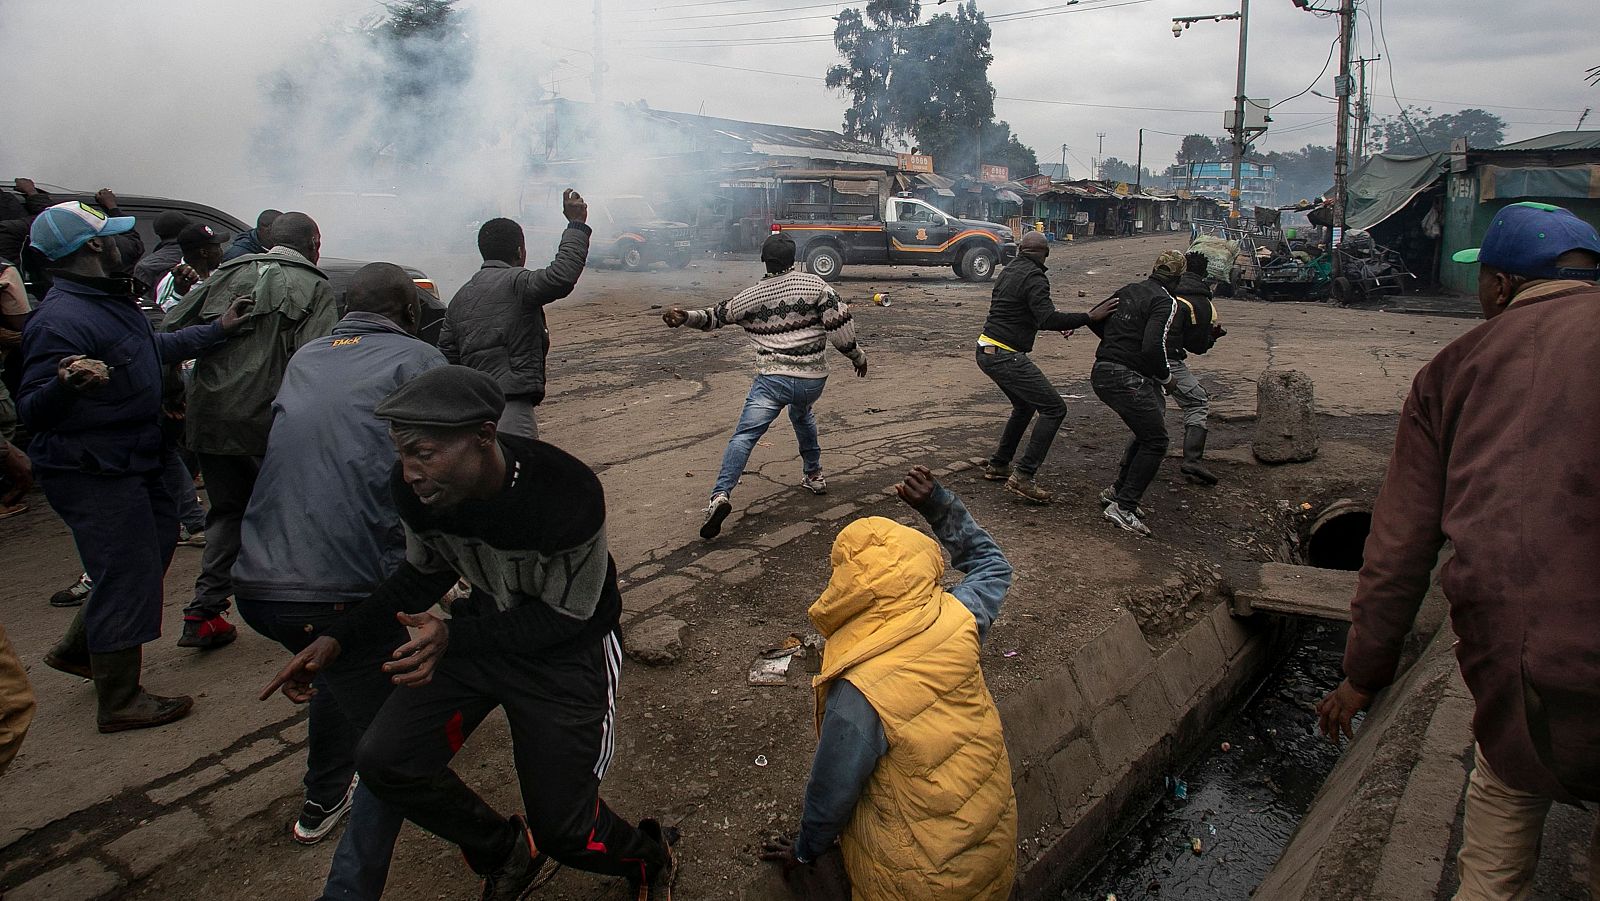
135, 93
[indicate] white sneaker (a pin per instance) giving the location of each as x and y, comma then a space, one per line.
815, 484
1127, 520
1109, 497
716, 512
315, 822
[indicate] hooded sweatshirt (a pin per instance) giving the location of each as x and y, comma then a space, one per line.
911, 765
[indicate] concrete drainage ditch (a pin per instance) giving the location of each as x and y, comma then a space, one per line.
1093, 742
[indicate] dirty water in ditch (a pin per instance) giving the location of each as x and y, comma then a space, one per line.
1241, 804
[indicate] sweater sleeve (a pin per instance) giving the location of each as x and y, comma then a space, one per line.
711, 318
408, 590
840, 326
973, 552
852, 740
1401, 550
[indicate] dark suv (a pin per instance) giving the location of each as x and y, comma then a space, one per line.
338, 269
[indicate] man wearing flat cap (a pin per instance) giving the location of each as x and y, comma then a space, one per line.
524, 523
791, 318
1495, 453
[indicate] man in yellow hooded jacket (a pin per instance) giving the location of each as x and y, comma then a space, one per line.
911, 773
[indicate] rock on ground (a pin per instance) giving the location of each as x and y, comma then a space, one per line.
657, 641
1286, 417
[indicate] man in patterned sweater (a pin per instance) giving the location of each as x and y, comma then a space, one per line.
791, 318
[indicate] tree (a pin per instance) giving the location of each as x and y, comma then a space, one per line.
1113, 169
869, 43
926, 82
1418, 131
1198, 148
1302, 174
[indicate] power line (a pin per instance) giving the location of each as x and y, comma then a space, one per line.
1394, 91
1325, 64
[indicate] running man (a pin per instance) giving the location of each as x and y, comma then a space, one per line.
791, 318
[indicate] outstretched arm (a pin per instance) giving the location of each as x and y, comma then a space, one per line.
972, 550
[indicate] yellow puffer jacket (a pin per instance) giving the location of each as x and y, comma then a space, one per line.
938, 819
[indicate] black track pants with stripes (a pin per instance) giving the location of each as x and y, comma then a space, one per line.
562, 713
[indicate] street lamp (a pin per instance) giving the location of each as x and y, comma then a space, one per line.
1243, 15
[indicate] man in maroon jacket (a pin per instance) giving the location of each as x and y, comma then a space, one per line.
1496, 452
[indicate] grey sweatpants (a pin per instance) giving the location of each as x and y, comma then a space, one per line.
1190, 395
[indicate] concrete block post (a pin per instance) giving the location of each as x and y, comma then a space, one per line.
1286, 418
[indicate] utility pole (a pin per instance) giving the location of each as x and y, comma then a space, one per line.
1064, 159
1364, 118
1138, 166
1099, 161
598, 79
1238, 116
1341, 151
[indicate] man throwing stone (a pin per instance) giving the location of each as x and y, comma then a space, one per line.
1022, 308
791, 318
524, 523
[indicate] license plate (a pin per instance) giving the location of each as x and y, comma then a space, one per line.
680, 244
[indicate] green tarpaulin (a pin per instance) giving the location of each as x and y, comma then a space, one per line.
1384, 184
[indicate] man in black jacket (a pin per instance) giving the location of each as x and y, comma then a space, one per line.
1130, 369
495, 323
1196, 332
524, 523
1020, 309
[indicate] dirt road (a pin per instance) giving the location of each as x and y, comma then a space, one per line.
201, 808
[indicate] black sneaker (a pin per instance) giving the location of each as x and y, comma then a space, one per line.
525, 870
75, 595
316, 821
716, 512
659, 886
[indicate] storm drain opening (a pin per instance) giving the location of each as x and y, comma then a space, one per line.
1337, 538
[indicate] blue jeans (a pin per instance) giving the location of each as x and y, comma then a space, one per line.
348, 696
768, 396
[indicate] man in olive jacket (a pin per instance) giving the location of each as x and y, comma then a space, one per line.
230, 402
495, 323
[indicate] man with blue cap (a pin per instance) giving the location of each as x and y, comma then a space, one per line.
91, 393
1495, 453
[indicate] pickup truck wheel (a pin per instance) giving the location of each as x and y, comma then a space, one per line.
977, 264
824, 262
631, 253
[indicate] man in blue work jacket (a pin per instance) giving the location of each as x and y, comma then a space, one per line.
91, 393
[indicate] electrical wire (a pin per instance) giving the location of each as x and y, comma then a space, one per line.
1388, 60
1325, 65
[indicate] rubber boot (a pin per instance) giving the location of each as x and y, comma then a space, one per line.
71, 654
1194, 447
124, 704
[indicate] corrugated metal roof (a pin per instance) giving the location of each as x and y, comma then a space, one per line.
1559, 140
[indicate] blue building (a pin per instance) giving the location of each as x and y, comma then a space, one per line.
1258, 183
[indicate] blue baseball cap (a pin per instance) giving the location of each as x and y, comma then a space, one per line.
65, 227
1527, 238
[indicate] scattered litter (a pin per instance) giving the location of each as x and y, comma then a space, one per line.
1073, 396
881, 300
872, 410
761, 760
771, 666
1305, 506
1212, 828
1011, 653
1111, 897
1226, 747
1195, 846
1083, 293
1180, 788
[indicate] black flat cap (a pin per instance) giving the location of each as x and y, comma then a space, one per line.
448, 397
